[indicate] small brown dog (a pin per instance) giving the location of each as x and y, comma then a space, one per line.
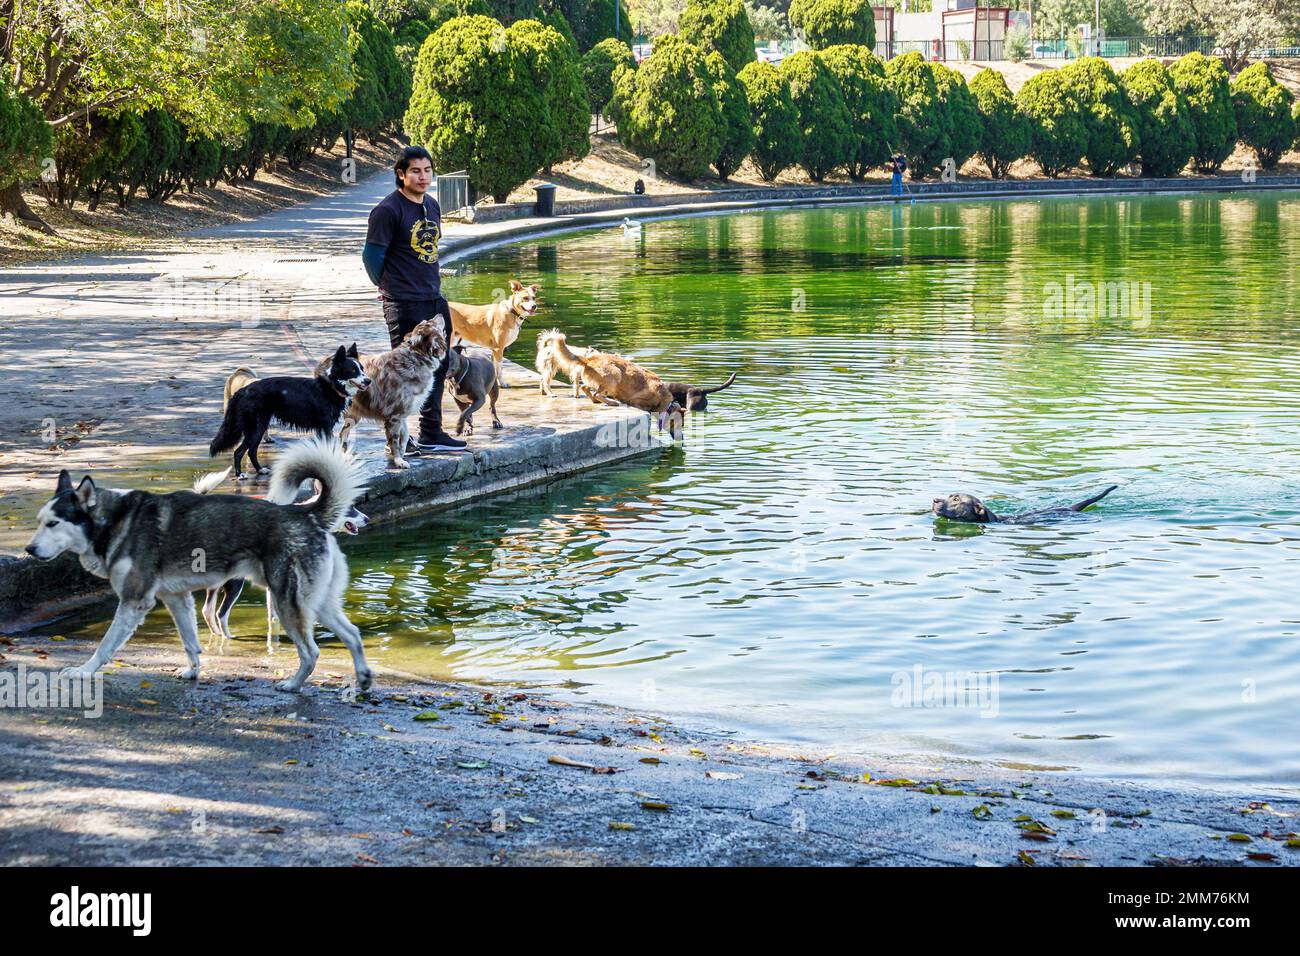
399, 381
236, 380
494, 327
614, 380
551, 359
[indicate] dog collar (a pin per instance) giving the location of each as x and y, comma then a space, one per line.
463, 372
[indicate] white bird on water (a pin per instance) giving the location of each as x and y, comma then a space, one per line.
630, 227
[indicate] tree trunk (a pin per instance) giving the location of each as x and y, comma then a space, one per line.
12, 201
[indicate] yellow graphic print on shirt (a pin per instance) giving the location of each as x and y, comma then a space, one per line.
424, 240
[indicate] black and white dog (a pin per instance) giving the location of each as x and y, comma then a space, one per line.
154, 548
312, 404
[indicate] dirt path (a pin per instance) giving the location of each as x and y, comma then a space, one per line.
230, 771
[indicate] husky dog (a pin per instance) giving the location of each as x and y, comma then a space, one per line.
311, 404
551, 360
399, 381
494, 327
472, 380
696, 399
963, 507
155, 547
219, 600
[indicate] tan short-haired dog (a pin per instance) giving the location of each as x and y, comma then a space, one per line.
494, 327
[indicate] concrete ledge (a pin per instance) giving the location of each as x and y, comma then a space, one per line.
963, 189
546, 440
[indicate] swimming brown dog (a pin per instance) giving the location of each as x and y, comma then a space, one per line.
695, 399
963, 507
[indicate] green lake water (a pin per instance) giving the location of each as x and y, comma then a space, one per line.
779, 574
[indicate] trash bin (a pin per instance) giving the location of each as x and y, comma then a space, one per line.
545, 199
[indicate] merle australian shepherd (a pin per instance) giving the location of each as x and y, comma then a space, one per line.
311, 404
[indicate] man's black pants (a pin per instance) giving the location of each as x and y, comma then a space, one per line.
402, 315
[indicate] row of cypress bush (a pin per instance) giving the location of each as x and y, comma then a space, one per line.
842, 108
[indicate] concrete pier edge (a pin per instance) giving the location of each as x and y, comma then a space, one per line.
34, 592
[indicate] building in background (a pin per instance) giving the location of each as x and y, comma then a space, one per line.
952, 30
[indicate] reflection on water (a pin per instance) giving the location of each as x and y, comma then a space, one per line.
780, 572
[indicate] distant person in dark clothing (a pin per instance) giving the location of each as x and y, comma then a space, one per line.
898, 166
401, 257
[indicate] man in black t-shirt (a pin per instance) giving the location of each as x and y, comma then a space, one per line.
401, 257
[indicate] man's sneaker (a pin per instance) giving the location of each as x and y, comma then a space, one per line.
412, 450
441, 442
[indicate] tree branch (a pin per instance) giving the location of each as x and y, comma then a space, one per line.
102, 103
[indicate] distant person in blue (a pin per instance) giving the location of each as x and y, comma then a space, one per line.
401, 257
898, 164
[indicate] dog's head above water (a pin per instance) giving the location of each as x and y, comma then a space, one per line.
962, 507
426, 338
523, 298
345, 371
66, 522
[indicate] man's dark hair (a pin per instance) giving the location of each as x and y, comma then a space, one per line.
404, 161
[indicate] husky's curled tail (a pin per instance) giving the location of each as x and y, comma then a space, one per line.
323, 460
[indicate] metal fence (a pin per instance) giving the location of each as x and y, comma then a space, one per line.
452, 192
1067, 48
